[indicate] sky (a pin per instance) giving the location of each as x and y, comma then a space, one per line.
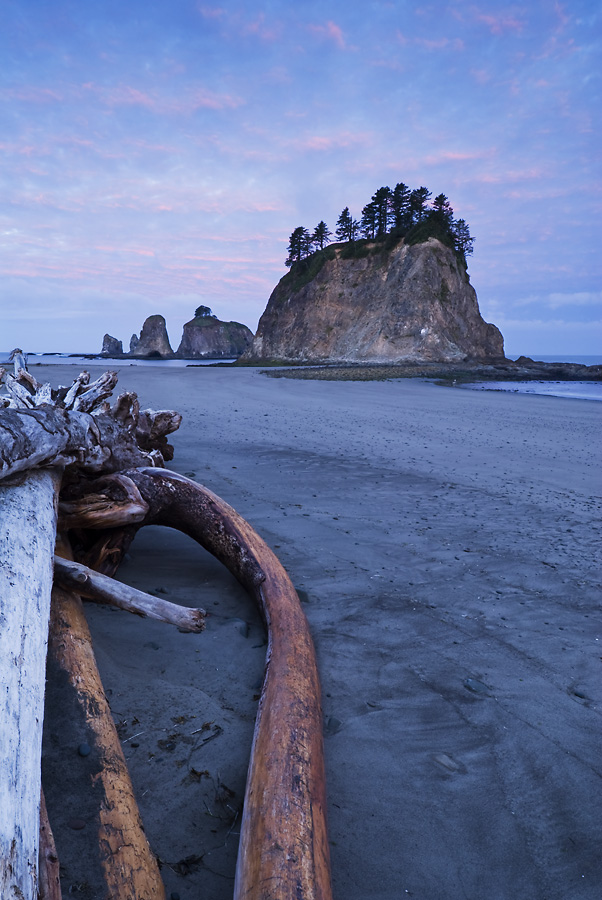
156, 155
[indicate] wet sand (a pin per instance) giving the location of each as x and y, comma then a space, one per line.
443, 543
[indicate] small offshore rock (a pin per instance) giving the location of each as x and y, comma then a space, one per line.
76, 824
84, 749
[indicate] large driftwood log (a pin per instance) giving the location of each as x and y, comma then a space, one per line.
284, 849
94, 586
45, 433
130, 868
50, 879
27, 534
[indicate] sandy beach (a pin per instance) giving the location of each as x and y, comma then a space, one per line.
443, 543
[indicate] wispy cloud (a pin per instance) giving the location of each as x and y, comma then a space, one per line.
329, 31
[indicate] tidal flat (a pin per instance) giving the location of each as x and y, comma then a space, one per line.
444, 547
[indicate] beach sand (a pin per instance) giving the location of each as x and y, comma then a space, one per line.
443, 543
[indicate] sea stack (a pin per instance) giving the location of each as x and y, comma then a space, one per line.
153, 340
376, 302
207, 337
111, 346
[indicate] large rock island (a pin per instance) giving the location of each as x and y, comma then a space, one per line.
206, 337
376, 302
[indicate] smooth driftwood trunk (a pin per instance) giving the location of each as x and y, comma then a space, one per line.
27, 536
101, 589
283, 851
130, 869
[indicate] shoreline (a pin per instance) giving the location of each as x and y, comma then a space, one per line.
442, 544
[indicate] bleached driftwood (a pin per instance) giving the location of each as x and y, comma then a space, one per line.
284, 848
43, 434
27, 535
94, 586
130, 869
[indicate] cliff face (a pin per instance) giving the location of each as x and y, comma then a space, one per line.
153, 340
206, 337
111, 346
409, 302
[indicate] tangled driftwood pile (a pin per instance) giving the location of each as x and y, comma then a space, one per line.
78, 478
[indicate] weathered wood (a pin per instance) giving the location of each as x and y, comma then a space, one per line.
94, 586
283, 851
27, 534
78, 426
50, 879
115, 502
129, 866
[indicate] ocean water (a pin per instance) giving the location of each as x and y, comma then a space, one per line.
571, 358
65, 359
570, 390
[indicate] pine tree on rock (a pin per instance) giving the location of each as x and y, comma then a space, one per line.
400, 207
418, 204
299, 245
321, 235
347, 227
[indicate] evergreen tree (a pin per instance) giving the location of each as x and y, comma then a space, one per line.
347, 226
382, 205
462, 238
299, 245
418, 201
442, 212
321, 234
202, 312
400, 206
369, 220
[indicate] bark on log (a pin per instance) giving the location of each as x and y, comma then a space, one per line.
50, 879
283, 850
27, 534
94, 586
130, 868
115, 502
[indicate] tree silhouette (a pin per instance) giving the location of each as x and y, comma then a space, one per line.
321, 235
400, 206
418, 200
347, 226
299, 245
462, 238
441, 211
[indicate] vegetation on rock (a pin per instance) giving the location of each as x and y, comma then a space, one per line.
391, 214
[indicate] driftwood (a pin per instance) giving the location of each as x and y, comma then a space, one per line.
283, 849
27, 534
129, 867
112, 486
94, 586
50, 879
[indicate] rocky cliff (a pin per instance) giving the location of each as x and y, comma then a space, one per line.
111, 346
153, 340
206, 337
378, 303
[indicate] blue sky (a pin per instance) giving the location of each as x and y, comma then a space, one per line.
157, 155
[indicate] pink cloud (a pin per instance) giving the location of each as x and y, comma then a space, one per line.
498, 23
329, 142
330, 31
440, 43
32, 94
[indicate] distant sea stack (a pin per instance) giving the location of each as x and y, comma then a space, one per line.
111, 346
376, 302
153, 340
206, 337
